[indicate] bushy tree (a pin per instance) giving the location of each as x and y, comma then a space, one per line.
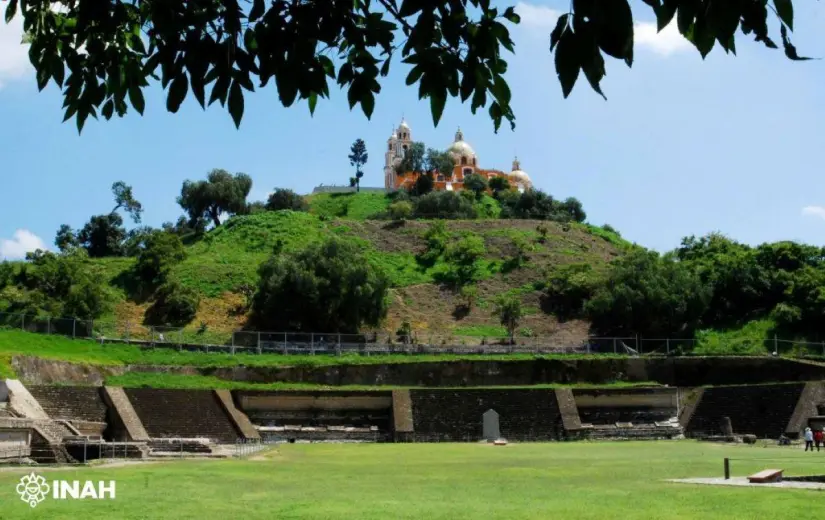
174, 305
413, 160
161, 251
358, 157
508, 310
569, 287
423, 185
136, 240
283, 198
400, 210
327, 287
444, 204
648, 294
463, 258
439, 161
185, 227
499, 184
476, 184
125, 200
221, 193
66, 238
571, 210
103, 236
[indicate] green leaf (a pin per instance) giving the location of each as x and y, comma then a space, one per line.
236, 103
136, 98
561, 25
592, 62
614, 29
58, 70
368, 103
511, 16
437, 101
219, 89
784, 8
385, 68
312, 101
11, 10
567, 62
665, 13
108, 109
415, 74
177, 92
81, 120
42, 76
501, 90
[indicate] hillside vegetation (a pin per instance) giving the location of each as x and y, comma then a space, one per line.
519, 255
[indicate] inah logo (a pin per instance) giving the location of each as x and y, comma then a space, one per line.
32, 489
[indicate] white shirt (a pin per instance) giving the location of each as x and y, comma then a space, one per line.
809, 435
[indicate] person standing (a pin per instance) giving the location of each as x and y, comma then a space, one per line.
809, 440
818, 438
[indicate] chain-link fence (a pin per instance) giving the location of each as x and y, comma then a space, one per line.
379, 343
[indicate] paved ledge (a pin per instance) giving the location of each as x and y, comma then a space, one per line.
743, 481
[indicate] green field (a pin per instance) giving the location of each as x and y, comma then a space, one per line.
600, 481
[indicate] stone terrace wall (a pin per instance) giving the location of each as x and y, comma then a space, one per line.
456, 414
182, 413
762, 410
70, 402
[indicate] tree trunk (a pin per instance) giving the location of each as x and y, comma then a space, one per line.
214, 214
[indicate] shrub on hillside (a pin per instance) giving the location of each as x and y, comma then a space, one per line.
327, 287
444, 204
400, 210
160, 252
568, 289
463, 257
282, 199
174, 305
476, 184
437, 238
507, 308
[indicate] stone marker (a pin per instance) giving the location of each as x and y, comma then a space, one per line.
490, 427
727, 427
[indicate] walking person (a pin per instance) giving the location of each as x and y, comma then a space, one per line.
809, 440
818, 438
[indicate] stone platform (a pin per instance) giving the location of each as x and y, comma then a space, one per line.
743, 482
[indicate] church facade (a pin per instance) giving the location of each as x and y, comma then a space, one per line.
465, 158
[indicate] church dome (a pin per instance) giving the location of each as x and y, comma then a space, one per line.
460, 148
519, 177
403, 125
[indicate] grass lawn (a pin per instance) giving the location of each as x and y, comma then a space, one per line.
441, 481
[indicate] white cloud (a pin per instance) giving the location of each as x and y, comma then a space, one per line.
14, 56
541, 20
664, 43
23, 241
814, 211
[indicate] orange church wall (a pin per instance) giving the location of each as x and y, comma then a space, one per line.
406, 180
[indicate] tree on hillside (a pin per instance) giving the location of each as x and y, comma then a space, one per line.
463, 257
65, 238
509, 312
327, 287
648, 294
283, 198
358, 157
104, 54
124, 199
499, 184
423, 185
103, 235
221, 193
161, 251
476, 183
571, 209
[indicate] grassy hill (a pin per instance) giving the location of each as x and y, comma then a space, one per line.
228, 257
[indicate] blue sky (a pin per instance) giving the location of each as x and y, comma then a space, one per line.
681, 147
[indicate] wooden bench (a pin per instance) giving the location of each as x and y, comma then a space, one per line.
766, 476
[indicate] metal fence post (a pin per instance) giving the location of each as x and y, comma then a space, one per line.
775, 344
259, 342
233, 344
22, 322
285, 350
667, 343
74, 327
614, 346
48, 325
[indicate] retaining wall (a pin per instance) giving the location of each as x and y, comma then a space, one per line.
762, 410
633, 405
456, 415
182, 413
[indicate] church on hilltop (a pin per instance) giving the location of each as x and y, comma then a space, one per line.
466, 163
